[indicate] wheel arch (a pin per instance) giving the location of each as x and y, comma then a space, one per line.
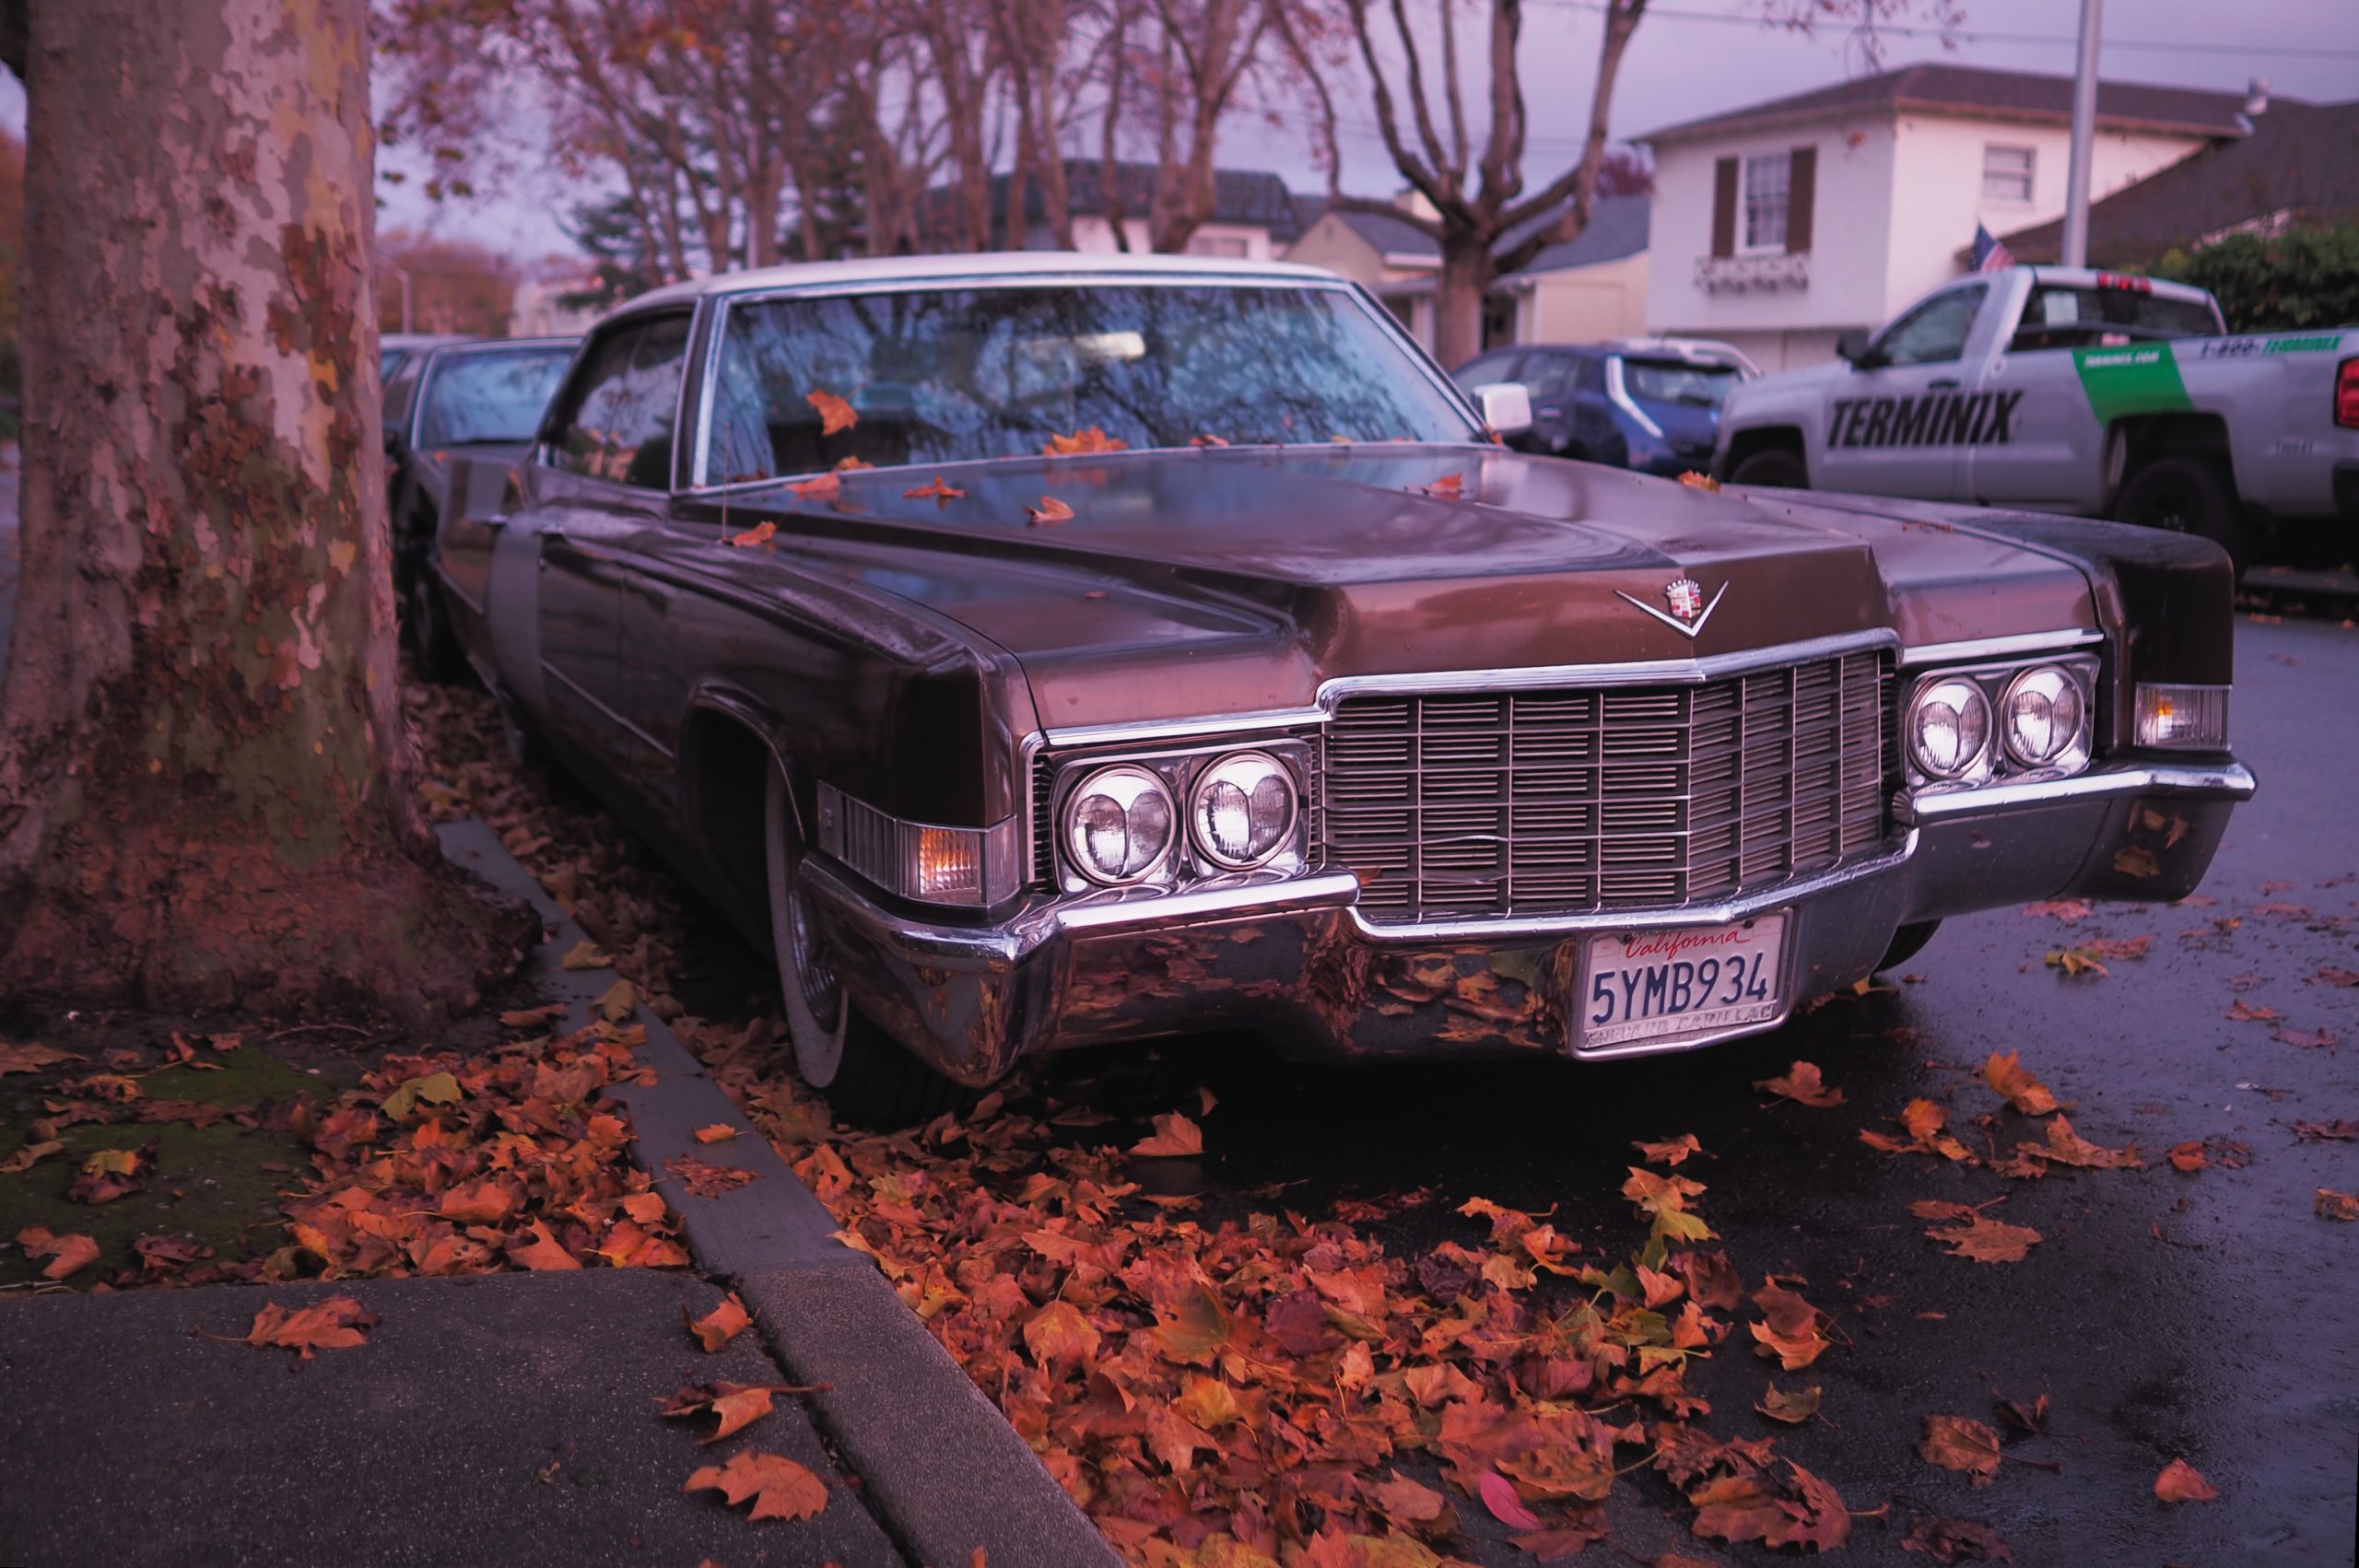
728, 744
2136, 440
1756, 439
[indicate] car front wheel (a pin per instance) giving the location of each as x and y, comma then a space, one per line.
1775, 467
868, 1079
2187, 494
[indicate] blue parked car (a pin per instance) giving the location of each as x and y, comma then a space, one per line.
1652, 404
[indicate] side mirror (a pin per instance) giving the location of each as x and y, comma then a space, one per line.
1506, 405
1853, 345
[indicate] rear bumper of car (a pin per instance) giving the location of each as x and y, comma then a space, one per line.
1294, 958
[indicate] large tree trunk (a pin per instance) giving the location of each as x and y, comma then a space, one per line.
205, 799
1466, 274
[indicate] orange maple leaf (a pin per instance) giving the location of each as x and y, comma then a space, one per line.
1793, 1407
1093, 439
1669, 1154
1058, 1336
2007, 1076
1955, 1443
1175, 1137
780, 1488
2182, 1482
705, 1179
1986, 1240
835, 414
540, 1251
720, 1326
938, 491
1788, 1327
1051, 509
339, 1323
1801, 1084
719, 1132
825, 488
2332, 1205
760, 533
31, 1057
66, 1253
1449, 488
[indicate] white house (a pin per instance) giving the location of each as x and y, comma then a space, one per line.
1778, 227
1584, 290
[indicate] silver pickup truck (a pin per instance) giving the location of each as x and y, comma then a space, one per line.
2071, 390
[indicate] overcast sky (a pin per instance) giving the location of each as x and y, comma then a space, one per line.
1689, 58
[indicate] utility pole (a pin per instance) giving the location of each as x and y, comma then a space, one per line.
2084, 131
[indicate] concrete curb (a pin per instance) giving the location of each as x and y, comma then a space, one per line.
944, 1470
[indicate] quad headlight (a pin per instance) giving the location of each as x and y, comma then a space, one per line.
1949, 730
2044, 718
1163, 818
1119, 825
1241, 810
1973, 725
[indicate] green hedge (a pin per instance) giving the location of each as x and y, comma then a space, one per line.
2290, 281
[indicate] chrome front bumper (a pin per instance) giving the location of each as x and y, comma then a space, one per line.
1292, 957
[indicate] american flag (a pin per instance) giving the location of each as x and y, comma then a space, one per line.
1988, 255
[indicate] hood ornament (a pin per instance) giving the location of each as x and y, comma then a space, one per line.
1688, 610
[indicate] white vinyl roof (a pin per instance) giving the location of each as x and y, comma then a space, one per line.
992, 264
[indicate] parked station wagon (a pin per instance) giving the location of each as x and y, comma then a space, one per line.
1045, 651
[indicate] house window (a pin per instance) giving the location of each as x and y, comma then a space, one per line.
2006, 173
1217, 245
1768, 177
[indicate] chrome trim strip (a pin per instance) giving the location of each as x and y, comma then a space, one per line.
584, 693
1248, 894
1760, 902
2227, 780
1997, 646
1683, 671
1212, 730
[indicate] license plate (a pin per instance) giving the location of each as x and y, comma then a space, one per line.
1665, 985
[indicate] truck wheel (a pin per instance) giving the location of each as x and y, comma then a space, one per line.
1776, 467
426, 629
2187, 494
1907, 943
868, 1079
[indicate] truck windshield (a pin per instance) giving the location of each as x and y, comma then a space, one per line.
945, 375
495, 395
2063, 315
1676, 381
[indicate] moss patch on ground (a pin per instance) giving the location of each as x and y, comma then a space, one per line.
218, 1185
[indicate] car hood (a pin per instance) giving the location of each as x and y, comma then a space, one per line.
1240, 580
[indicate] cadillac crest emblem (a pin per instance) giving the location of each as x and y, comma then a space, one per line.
1688, 610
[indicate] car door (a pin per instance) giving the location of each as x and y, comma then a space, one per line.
607, 480
2043, 447
1898, 423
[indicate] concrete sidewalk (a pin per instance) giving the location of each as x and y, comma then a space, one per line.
503, 1417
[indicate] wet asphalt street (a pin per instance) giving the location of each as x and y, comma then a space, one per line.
2211, 1317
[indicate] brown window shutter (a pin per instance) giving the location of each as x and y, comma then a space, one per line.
1724, 208
1802, 194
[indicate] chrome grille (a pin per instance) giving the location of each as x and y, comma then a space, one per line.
1462, 806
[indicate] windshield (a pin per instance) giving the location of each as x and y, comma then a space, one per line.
947, 375
494, 396
1676, 381
2077, 316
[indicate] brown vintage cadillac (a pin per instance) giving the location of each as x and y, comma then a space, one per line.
1045, 651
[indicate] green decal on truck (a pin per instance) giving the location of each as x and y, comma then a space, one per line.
2141, 379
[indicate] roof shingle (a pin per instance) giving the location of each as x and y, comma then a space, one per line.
1975, 90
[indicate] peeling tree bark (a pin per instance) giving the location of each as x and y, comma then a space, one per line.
205, 799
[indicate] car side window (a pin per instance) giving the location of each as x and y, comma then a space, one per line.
1549, 375
1488, 370
587, 413
1936, 331
615, 422
1592, 375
